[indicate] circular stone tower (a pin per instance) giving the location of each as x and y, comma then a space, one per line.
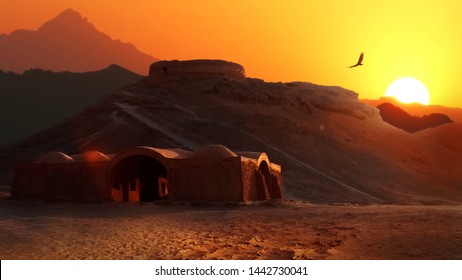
196, 69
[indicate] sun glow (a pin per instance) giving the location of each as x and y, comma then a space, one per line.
409, 90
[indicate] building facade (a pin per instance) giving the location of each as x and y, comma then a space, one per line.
212, 173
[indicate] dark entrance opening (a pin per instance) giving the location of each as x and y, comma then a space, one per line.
267, 184
139, 178
263, 181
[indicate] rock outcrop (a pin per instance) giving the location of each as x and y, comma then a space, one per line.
401, 119
417, 109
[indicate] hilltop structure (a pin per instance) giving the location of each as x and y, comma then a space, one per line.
211, 173
196, 69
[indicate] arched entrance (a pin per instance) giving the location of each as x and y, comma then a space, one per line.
267, 184
263, 181
139, 178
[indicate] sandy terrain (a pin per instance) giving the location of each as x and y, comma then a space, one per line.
269, 230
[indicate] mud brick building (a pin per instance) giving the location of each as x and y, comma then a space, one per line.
211, 173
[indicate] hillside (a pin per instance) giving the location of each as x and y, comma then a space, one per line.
332, 148
448, 136
68, 42
38, 99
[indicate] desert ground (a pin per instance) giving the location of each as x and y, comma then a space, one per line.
285, 229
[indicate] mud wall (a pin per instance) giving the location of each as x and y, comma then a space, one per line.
249, 178
189, 179
276, 181
253, 187
205, 180
74, 181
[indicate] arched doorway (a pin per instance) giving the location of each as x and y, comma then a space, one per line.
267, 184
139, 178
263, 181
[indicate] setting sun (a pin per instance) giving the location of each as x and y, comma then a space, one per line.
409, 90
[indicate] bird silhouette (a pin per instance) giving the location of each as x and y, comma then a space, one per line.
360, 60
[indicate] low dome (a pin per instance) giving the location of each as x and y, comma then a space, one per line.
177, 153
214, 151
254, 155
55, 157
91, 156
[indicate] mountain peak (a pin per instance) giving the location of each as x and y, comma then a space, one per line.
68, 42
68, 17
69, 14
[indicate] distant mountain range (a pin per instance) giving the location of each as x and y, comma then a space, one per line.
68, 43
37, 99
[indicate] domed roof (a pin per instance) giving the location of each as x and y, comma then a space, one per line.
91, 156
179, 153
55, 157
254, 155
214, 151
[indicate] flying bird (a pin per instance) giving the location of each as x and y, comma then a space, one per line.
360, 60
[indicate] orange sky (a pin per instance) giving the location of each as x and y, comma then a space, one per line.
287, 40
